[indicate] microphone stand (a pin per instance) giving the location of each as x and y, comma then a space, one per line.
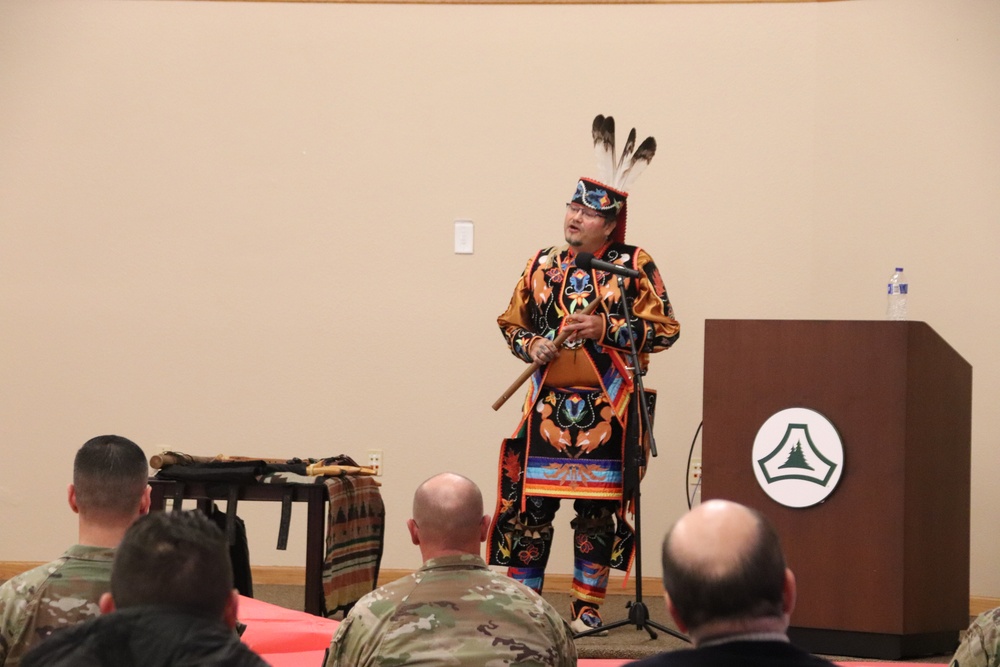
638, 613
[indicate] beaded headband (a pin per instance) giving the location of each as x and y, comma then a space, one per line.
608, 194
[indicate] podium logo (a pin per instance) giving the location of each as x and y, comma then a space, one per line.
798, 457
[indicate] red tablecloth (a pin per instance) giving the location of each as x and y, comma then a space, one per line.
286, 638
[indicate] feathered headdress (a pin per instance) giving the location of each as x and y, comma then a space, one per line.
608, 193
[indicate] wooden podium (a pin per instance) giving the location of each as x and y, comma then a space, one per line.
882, 563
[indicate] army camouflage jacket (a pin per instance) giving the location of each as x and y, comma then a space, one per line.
453, 611
981, 643
55, 595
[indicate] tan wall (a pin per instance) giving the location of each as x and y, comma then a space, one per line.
226, 227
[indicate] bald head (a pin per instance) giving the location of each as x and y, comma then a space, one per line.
714, 537
448, 513
723, 561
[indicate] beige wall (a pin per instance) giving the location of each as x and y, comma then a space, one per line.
226, 227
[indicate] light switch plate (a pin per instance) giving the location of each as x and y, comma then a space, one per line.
464, 236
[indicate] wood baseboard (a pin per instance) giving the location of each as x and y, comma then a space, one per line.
978, 604
12, 568
652, 587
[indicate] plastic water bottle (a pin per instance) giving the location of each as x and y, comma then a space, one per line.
898, 288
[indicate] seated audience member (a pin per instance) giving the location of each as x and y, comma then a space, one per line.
981, 645
109, 490
454, 610
727, 587
172, 603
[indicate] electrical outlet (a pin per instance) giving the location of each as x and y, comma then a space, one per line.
694, 473
375, 461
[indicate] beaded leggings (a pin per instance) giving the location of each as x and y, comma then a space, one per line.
593, 539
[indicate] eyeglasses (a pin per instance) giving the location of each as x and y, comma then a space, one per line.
589, 214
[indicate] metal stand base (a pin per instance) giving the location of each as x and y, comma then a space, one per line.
638, 615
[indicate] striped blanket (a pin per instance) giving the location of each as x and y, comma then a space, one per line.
354, 540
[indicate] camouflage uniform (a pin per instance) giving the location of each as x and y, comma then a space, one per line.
452, 611
982, 642
55, 595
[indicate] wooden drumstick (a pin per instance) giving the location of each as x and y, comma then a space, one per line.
317, 470
534, 365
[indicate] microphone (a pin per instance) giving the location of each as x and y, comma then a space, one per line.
586, 261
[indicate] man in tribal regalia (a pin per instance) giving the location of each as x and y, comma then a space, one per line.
570, 442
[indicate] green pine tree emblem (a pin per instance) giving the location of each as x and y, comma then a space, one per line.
796, 459
797, 465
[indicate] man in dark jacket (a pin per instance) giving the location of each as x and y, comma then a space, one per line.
171, 603
728, 588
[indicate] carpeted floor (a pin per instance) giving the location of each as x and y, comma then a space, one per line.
625, 642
